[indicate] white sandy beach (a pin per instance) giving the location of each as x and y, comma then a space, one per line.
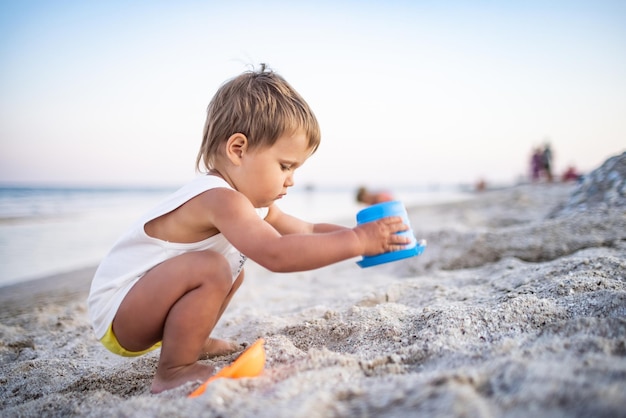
517, 308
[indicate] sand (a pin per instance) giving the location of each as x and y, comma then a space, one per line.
516, 309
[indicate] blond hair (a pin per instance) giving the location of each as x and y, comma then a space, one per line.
262, 106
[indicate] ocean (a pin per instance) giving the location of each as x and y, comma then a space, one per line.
50, 230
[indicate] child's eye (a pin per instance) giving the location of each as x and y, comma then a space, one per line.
285, 167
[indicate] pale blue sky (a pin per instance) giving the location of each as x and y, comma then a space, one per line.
407, 92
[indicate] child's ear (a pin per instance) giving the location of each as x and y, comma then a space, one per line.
236, 145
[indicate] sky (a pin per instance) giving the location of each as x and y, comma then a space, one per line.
408, 92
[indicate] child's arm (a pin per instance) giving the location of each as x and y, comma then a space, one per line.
286, 224
234, 216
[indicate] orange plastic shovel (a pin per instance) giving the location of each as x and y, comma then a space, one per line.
249, 364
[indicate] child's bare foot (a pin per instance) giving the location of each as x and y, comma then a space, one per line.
174, 377
214, 347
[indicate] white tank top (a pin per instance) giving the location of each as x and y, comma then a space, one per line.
136, 252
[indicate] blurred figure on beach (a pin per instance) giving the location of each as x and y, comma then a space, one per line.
481, 185
571, 174
541, 164
546, 159
536, 165
363, 195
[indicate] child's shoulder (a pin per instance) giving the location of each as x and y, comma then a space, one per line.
191, 191
204, 187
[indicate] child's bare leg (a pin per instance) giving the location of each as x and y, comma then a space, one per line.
178, 302
214, 347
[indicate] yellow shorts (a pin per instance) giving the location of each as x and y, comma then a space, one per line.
111, 343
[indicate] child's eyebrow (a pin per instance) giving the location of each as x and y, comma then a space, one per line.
289, 162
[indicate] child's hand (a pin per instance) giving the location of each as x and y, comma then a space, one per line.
380, 236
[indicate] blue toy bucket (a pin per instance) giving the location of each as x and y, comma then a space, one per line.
382, 210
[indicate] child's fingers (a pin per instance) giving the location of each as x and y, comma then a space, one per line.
400, 239
396, 223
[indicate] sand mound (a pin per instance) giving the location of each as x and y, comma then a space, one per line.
602, 189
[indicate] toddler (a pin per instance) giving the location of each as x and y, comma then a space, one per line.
167, 281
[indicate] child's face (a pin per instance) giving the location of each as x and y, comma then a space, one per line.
267, 172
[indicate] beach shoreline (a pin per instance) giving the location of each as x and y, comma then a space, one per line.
517, 307
19, 298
